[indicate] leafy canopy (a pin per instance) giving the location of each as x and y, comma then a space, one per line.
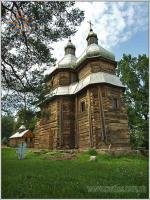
8, 125
28, 30
26, 117
133, 72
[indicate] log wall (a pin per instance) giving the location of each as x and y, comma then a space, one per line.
116, 120
57, 130
66, 122
62, 79
98, 125
96, 66
83, 139
46, 132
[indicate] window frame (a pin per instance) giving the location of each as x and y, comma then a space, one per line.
115, 103
82, 106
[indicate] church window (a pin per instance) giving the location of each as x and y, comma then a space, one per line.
82, 106
115, 104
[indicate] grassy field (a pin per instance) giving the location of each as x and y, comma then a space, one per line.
39, 177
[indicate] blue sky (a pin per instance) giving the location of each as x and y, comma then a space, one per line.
121, 27
138, 44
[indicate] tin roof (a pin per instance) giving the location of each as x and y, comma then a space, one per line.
91, 33
18, 135
69, 44
94, 50
68, 61
99, 77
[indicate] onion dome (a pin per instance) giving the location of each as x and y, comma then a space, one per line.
70, 48
92, 38
95, 50
69, 60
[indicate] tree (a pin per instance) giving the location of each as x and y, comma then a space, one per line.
133, 72
27, 118
8, 124
28, 30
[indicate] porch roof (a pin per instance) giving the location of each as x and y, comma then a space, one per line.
19, 135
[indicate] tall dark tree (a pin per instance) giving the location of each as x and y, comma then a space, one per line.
135, 75
28, 30
7, 126
26, 117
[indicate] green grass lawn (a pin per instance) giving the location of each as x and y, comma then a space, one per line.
38, 177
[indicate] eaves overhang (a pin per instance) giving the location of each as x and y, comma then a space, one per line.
94, 78
86, 60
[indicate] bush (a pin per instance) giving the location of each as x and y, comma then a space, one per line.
92, 152
5, 141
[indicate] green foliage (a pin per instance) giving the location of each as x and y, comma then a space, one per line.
8, 124
27, 38
26, 117
35, 178
4, 141
134, 74
92, 152
32, 123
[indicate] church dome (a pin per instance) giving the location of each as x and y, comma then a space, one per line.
91, 33
69, 60
70, 45
95, 50
92, 38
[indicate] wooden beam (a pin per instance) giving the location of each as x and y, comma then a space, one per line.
76, 123
90, 119
102, 116
60, 123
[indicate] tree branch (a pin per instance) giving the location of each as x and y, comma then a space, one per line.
16, 75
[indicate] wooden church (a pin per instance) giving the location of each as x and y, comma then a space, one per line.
84, 107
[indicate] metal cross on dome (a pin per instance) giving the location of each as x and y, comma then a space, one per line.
90, 24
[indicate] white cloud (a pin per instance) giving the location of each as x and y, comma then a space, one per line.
114, 23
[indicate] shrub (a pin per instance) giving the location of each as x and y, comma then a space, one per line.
92, 152
5, 141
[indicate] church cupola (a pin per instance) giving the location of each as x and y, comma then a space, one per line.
69, 59
92, 38
70, 48
93, 49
